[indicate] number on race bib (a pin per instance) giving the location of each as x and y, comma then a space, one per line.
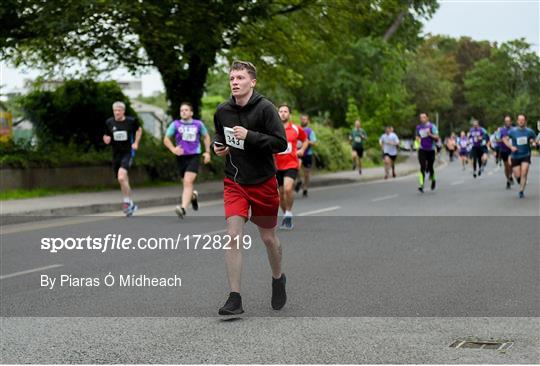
423, 133
358, 139
120, 135
189, 134
231, 140
521, 140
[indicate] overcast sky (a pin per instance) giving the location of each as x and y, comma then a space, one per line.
493, 20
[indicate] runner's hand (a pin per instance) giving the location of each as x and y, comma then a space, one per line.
221, 150
134, 146
206, 157
106, 139
240, 132
513, 148
300, 153
178, 151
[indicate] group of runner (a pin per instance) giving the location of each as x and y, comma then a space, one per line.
264, 152
511, 146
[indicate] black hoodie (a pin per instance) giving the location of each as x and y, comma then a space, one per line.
266, 136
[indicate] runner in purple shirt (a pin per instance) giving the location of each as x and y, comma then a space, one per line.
505, 150
187, 133
427, 135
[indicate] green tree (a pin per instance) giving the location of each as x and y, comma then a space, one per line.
506, 83
180, 38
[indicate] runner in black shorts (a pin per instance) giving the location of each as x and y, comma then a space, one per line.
505, 150
357, 137
123, 133
187, 133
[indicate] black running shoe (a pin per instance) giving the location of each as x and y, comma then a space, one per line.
433, 184
194, 200
421, 189
508, 184
233, 305
298, 186
305, 194
474, 175
180, 212
279, 296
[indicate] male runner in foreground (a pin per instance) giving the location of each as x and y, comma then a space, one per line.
187, 133
124, 134
248, 133
519, 140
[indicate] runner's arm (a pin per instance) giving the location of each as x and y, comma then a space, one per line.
274, 138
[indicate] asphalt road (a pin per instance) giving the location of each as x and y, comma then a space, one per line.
377, 272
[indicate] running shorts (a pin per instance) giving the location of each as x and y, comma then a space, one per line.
518, 161
281, 174
122, 160
393, 157
307, 161
359, 151
262, 199
188, 163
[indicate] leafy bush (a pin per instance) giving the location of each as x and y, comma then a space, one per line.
75, 112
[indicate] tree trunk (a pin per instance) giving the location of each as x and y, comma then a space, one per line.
185, 85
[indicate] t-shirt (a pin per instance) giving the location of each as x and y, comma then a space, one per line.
462, 142
311, 137
477, 136
521, 138
288, 159
358, 136
188, 135
502, 132
427, 142
122, 133
388, 141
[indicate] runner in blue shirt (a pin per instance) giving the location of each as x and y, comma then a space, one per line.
519, 141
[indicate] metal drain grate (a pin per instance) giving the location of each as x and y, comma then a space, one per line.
482, 344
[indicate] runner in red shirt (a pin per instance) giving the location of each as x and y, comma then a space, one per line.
287, 164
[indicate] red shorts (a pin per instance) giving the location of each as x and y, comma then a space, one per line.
263, 199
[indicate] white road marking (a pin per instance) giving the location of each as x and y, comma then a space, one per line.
457, 182
384, 198
314, 212
30, 271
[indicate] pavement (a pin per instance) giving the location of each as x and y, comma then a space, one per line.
377, 273
32, 209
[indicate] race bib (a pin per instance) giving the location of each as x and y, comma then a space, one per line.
521, 140
358, 139
288, 150
231, 140
189, 134
423, 133
120, 135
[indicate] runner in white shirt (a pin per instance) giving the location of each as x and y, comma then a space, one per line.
389, 143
